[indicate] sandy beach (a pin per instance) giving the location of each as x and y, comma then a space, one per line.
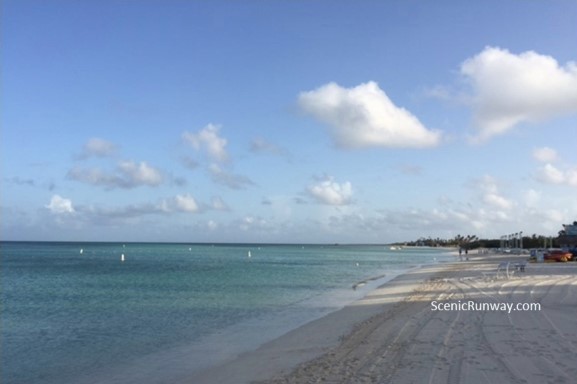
394, 335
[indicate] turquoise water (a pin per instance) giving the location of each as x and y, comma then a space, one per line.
74, 312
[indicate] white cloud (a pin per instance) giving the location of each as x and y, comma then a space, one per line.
549, 174
212, 225
555, 217
364, 116
103, 216
59, 205
509, 89
128, 175
209, 140
96, 147
185, 203
251, 223
545, 155
486, 183
497, 201
226, 178
571, 177
332, 193
180, 203
440, 92
560, 174
532, 198
406, 224
140, 173
491, 194
218, 204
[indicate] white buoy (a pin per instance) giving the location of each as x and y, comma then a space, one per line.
249, 255
122, 257
81, 251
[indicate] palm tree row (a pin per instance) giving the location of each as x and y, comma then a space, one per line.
472, 242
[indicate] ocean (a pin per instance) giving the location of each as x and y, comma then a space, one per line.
147, 312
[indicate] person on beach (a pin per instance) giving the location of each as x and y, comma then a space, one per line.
460, 254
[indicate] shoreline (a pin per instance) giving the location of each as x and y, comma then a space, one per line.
392, 335
313, 339
247, 343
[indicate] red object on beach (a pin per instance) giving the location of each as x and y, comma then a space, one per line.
558, 255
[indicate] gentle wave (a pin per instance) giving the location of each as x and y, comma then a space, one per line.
70, 314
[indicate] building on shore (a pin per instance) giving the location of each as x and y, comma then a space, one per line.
568, 236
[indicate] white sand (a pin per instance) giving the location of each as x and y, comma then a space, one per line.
393, 335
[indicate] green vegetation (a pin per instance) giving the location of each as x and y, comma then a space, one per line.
472, 242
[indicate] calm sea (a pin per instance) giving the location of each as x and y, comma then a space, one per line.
78, 313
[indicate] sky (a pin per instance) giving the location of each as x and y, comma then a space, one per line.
287, 121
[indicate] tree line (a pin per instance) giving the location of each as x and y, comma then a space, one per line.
472, 242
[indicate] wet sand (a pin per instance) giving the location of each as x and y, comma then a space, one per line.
394, 336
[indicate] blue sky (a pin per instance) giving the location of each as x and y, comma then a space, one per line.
278, 121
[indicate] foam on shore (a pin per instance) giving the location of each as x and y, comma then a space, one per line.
257, 348
407, 341
316, 337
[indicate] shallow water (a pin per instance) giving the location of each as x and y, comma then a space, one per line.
75, 312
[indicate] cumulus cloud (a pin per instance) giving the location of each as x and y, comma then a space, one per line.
532, 198
96, 147
208, 140
140, 173
330, 192
128, 175
253, 223
185, 203
218, 204
228, 179
497, 201
211, 225
429, 220
364, 116
181, 203
549, 174
509, 89
545, 155
490, 193
60, 205
571, 177
102, 215
559, 174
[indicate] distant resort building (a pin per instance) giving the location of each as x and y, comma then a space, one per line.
568, 236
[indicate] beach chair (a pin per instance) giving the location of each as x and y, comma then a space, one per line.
501, 268
505, 267
520, 267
